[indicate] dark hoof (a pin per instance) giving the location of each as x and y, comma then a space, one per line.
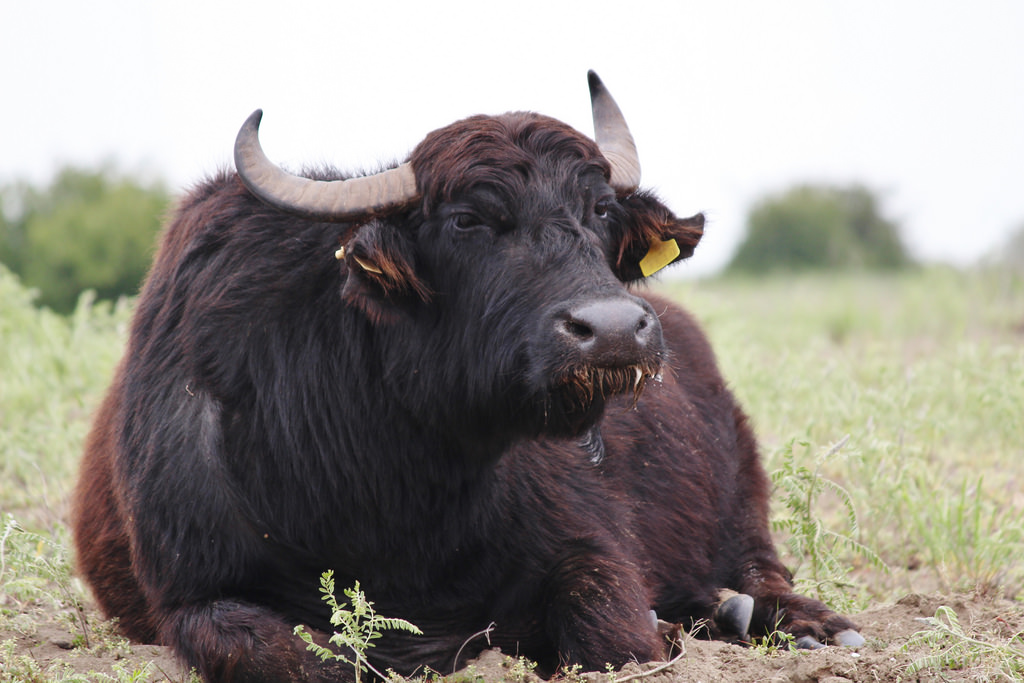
848, 638
808, 643
732, 617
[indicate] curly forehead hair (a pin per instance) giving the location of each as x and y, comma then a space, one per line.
497, 150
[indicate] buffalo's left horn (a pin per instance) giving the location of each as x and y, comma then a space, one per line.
613, 137
323, 200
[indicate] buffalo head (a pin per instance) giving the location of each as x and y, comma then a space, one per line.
495, 265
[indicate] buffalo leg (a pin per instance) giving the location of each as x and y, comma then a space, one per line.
599, 614
777, 607
237, 642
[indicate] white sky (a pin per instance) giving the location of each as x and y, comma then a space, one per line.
922, 100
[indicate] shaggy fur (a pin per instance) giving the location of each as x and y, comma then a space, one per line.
414, 416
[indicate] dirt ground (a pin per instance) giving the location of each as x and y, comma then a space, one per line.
35, 644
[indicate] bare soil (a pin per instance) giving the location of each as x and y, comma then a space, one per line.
37, 641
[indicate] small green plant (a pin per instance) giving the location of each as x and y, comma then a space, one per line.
467, 675
774, 642
519, 668
130, 672
570, 674
808, 538
37, 568
954, 648
358, 626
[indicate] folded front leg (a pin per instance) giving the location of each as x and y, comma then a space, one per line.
599, 611
778, 608
234, 642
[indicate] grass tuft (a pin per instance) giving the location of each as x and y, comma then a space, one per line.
953, 648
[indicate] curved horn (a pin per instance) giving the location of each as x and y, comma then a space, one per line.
613, 137
336, 201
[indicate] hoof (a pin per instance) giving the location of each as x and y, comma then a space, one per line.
808, 643
733, 615
848, 638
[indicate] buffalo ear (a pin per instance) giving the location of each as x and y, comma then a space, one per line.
653, 237
381, 274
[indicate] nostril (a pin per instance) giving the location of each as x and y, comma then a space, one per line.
579, 330
641, 326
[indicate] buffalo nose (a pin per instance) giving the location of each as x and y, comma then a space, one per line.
611, 333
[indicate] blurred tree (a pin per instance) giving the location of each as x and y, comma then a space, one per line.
1012, 253
88, 229
819, 226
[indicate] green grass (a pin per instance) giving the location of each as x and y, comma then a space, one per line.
53, 372
952, 647
921, 373
924, 372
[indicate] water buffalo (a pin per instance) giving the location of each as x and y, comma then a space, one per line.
440, 381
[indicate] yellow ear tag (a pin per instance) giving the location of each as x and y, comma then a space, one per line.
660, 254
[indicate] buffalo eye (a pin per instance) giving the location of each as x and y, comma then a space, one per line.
465, 221
603, 207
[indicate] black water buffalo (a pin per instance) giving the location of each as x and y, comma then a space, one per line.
437, 381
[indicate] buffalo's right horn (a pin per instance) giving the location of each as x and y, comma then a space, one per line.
336, 201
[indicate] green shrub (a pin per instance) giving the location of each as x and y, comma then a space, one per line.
819, 227
87, 229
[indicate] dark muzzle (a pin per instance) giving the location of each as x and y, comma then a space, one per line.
598, 349
610, 333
